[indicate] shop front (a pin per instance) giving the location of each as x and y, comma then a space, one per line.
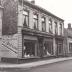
29, 46
36, 45
59, 47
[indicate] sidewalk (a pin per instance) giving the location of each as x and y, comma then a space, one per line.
34, 64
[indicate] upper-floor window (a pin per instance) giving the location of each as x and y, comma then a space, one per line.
43, 24
60, 29
35, 21
50, 25
25, 18
56, 28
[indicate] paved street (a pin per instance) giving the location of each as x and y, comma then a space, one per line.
65, 66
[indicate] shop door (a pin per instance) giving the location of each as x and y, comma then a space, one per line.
59, 49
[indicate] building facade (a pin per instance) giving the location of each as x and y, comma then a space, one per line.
29, 31
68, 40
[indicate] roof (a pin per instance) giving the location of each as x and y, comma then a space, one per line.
40, 9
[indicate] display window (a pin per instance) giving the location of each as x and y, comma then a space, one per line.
29, 49
70, 47
48, 48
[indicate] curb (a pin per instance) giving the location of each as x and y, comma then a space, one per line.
34, 64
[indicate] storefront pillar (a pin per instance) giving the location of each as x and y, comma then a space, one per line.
36, 49
54, 46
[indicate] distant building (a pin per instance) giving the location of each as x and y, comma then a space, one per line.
29, 31
68, 40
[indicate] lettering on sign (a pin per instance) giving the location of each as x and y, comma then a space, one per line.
9, 46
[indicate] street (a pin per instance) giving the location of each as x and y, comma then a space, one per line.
65, 66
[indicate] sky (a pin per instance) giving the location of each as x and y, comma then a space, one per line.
60, 8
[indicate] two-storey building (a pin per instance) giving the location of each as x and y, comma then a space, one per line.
29, 31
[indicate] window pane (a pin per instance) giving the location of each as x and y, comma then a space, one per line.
25, 21
50, 26
56, 29
35, 21
29, 49
43, 24
60, 29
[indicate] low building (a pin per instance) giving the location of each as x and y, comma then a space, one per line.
29, 31
68, 40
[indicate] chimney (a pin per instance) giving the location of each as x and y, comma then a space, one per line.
33, 1
69, 26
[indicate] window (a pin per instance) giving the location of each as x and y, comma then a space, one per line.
60, 29
43, 24
70, 47
25, 18
29, 49
35, 21
48, 48
50, 26
56, 28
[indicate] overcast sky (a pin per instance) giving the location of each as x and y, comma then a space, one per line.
60, 8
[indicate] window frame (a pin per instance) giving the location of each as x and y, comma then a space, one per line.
60, 28
35, 19
50, 24
43, 24
56, 28
25, 18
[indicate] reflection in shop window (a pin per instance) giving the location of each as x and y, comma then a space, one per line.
48, 48
29, 49
70, 47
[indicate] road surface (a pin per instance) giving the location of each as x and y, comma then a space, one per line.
65, 66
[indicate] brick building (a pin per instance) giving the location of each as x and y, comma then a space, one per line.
29, 31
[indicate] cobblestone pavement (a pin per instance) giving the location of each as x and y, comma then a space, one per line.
65, 66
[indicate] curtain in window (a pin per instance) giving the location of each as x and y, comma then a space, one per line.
56, 29
25, 18
35, 21
50, 26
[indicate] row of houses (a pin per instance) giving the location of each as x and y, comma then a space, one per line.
29, 31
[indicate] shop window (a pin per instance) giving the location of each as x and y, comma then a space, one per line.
43, 24
50, 26
35, 21
25, 18
29, 49
56, 28
48, 48
70, 47
60, 29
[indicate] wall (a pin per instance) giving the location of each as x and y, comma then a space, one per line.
9, 46
9, 25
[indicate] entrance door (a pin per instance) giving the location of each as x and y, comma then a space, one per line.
60, 49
